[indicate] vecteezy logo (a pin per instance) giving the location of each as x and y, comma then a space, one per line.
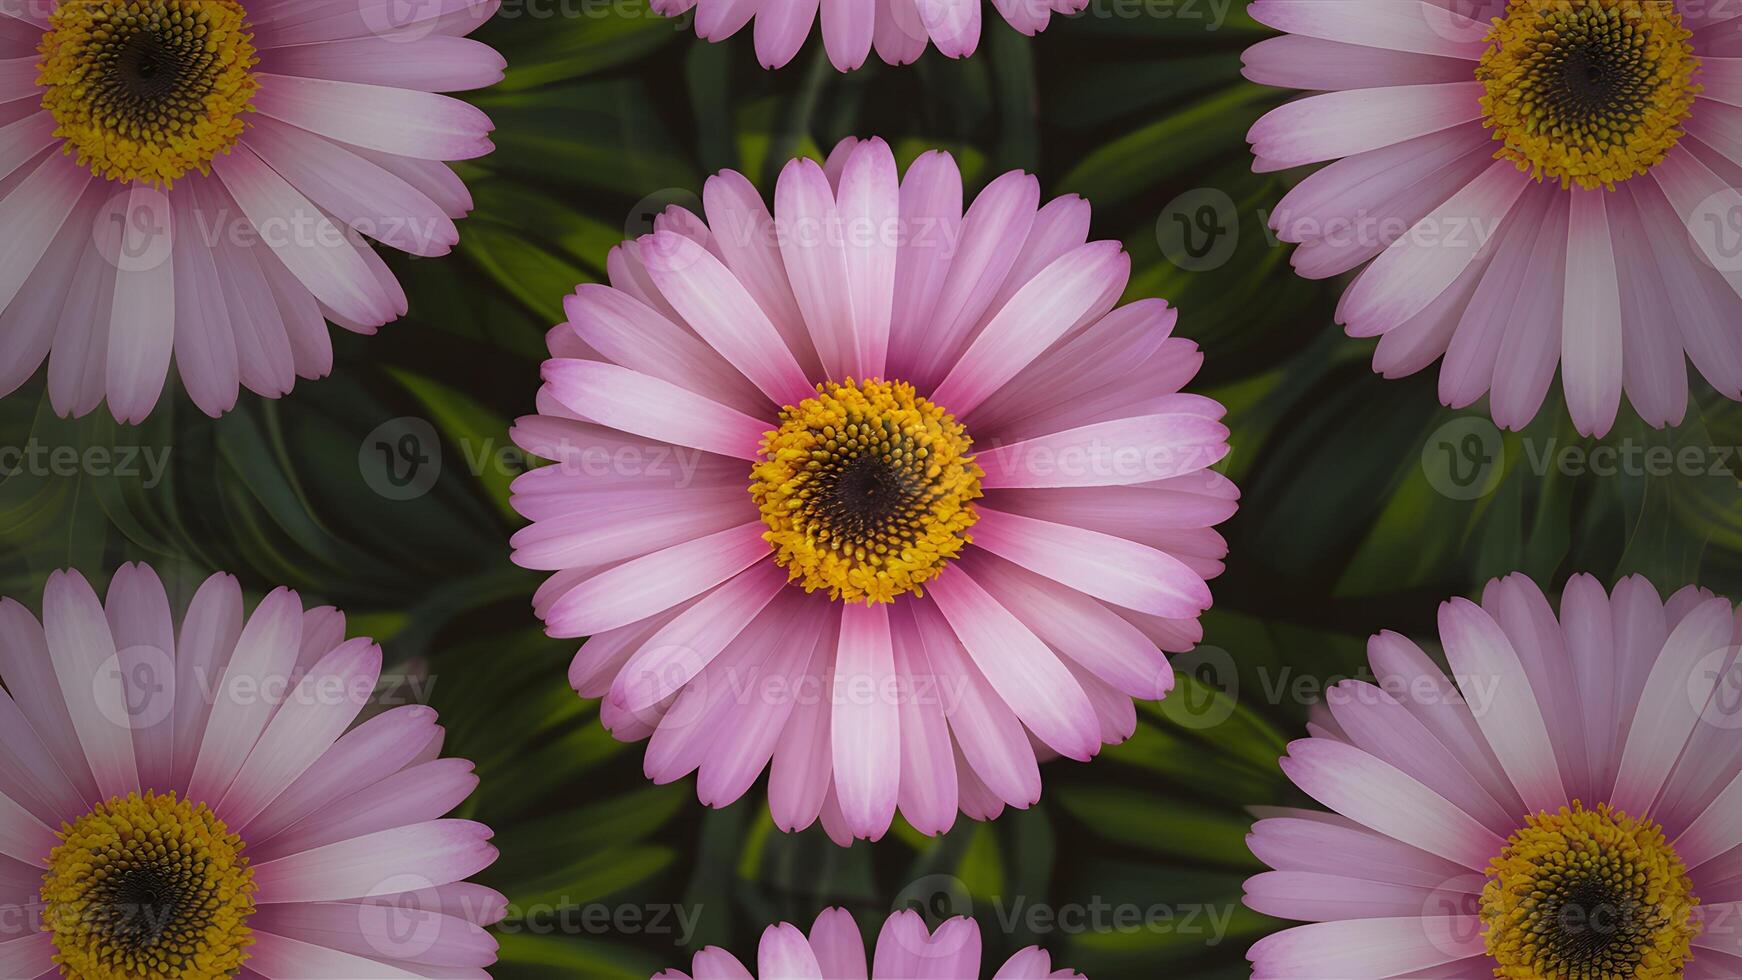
1199, 230
1465, 459
134, 688
401, 458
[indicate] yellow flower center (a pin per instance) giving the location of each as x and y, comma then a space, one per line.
866, 489
149, 888
147, 90
1589, 895
1588, 92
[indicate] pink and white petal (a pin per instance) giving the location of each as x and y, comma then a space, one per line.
380, 931
1699, 297
869, 204
953, 25
1120, 452
1518, 605
22, 836
28, 323
900, 37
1301, 62
929, 784
799, 777
865, 725
624, 593
364, 757
323, 704
719, 308
204, 344
987, 245
839, 949
749, 244
414, 124
1671, 705
243, 704
1339, 124
82, 650
1410, 273
1318, 897
1418, 26
1366, 949
1056, 300
931, 219
1512, 721
1025, 672
433, 853
1114, 569
794, 653
366, 197
807, 225
1369, 719
1590, 630
1654, 366
1304, 841
781, 29
265, 360
32, 956
33, 214
327, 261
647, 406
30, 677
142, 327
1377, 795
28, 773
438, 63
1468, 370
209, 631
1591, 318
994, 755
144, 634
848, 29
76, 372
683, 648
1078, 627
277, 957
1524, 368
419, 793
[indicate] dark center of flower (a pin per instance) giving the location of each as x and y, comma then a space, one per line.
866, 490
149, 888
1589, 895
1590, 92
148, 90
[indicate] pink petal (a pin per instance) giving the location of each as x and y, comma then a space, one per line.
865, 726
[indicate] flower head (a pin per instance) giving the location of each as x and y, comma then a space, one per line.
195, 180
1564, 804
1522, 185
870, 492
185, 796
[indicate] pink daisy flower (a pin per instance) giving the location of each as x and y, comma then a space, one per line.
181, 797
193, 179
1566, 804
898, 29
1528, 183
834, 950
876, 492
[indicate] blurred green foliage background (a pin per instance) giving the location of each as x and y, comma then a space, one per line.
1348, 522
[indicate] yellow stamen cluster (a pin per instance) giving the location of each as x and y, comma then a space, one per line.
149, 888
866, 489
147, 90
1589, 895
1588, 92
